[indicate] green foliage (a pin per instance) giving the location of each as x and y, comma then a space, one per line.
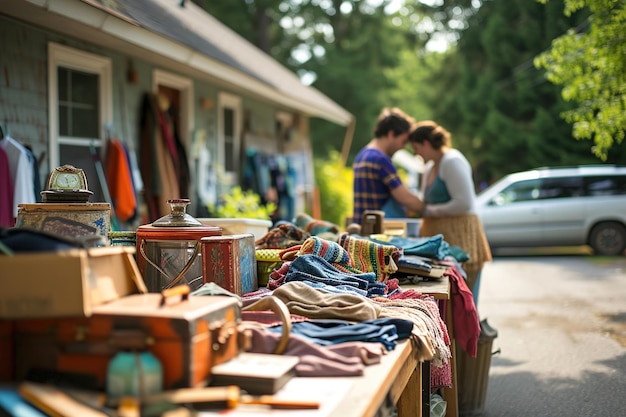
590, 63
503, 114
502, 111
334, 182
243, 204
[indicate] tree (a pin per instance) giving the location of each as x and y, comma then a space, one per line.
501, 111
347, 49
589, 61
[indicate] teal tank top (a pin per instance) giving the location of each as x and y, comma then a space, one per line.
437, 192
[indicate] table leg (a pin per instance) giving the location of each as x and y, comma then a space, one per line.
426, 388
451, 394
410, 401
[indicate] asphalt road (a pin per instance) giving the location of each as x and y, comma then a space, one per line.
561, 322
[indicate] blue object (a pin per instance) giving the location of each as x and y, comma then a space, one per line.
134, 374
15, 405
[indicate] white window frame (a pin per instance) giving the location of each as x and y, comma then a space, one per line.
185, 86
228, 101
66, 57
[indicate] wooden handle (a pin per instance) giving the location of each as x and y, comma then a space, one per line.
229, 395
279, 308
182, 290
273, 402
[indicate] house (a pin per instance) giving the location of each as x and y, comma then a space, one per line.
76, 74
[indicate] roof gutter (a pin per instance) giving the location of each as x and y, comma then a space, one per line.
91, 14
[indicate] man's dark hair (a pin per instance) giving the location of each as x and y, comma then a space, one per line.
392, 119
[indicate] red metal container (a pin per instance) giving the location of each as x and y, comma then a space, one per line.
169, 251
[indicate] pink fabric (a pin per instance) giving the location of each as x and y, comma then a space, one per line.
464, 314
341, 359
6, 192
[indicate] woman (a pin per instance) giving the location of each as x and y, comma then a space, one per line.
449, 198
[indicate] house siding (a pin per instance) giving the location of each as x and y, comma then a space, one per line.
24, 96
23, 84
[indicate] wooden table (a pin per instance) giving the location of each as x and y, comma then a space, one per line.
440, 289
399, 379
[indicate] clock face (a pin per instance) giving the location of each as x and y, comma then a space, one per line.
68, 181
67, 178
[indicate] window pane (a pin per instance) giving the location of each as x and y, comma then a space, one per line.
78, 104
64, 127
85, 123
85, 88
62, 75
229, 122
561, 187
229, 155
605, 185
519, 191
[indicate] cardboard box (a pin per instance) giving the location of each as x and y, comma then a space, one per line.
66, 283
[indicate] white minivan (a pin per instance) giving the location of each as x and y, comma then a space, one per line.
583, 205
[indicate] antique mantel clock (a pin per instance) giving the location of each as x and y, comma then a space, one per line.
66, 184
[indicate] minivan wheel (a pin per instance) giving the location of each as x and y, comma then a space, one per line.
608, 239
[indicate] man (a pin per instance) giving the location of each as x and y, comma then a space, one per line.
377, 185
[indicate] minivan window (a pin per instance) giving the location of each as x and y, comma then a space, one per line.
526, 190
602, 185
562, 187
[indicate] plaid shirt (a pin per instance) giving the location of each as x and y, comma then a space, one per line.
374, 178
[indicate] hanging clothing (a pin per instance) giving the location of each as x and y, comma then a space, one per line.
34, 164
21, 172
6, 191
119, 180
157, 165
263, 173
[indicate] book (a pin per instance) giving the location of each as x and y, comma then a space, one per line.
256, 373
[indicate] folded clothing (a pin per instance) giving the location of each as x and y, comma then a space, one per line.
307, 301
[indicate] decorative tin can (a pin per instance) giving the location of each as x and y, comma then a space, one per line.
230, 262
66, 219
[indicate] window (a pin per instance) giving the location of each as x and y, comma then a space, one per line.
605, 185
516, 192
561, 187
79, 112
79, 105
229, 135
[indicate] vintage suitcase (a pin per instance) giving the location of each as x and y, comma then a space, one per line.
230, 262
188, 334
7, 361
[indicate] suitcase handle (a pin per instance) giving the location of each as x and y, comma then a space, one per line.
182, 290
279, 308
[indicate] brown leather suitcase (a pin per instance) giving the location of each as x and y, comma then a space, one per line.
7, 361
188, 335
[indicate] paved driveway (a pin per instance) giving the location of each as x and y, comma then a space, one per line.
561, 324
